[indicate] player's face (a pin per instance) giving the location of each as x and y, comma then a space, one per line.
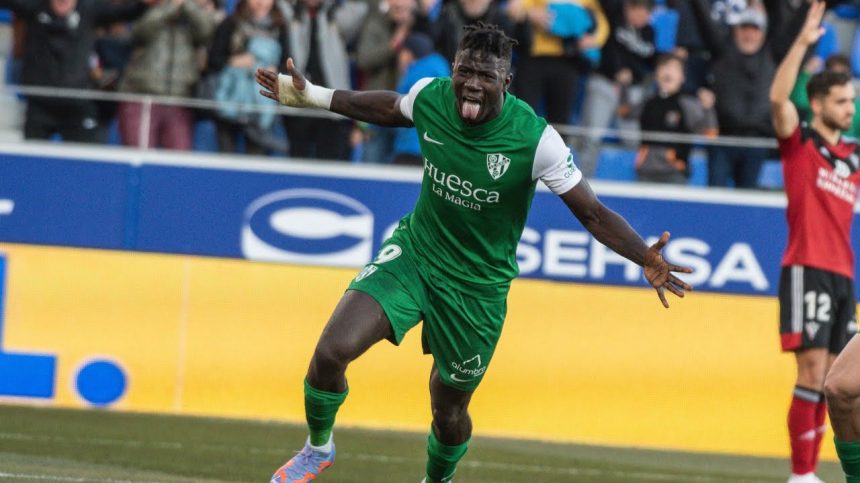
837, 108
479, 85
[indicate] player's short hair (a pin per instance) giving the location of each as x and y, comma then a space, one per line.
487, 39
819, 85
838, 61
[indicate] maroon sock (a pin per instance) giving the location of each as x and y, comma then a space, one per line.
820, 429
802, 429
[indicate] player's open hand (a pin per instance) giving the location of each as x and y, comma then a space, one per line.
659, 273
286, 89
812, 29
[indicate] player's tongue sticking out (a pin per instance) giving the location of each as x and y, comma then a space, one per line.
470, 109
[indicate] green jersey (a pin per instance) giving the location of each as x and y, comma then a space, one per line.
478, 185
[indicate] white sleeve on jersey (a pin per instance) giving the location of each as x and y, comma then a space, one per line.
407, 101
554, 163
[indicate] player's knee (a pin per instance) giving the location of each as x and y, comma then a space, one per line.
840, 391
330, 357
450, 420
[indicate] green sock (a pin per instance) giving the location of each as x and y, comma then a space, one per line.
442, 460
320, 409
849, 456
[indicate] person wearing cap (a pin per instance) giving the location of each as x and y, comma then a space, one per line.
743, 66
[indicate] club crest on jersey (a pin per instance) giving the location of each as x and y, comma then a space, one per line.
497, 165
841, 169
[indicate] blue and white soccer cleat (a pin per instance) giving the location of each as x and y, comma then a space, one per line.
305, 466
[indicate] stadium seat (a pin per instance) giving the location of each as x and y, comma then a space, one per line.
828, 44
698, 168
847, 11
616, 164
205, 136
113, 137
770, 176
855, 54
665, 24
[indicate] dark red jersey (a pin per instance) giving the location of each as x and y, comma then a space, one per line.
821, 182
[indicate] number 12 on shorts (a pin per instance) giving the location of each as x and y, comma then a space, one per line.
817, 306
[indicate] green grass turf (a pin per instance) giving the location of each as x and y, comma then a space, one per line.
57, 445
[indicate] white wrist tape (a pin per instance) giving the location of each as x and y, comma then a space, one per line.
310, 96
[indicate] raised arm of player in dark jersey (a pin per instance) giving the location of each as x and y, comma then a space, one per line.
785, 116
377, 107
609, 228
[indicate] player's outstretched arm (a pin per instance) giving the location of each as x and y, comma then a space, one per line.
613, 231
785, 117
376, 107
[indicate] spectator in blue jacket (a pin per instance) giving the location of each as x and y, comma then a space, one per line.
417, 60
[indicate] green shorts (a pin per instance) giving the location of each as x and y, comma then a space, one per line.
461, 328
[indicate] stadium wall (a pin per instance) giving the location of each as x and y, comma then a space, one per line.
128, 285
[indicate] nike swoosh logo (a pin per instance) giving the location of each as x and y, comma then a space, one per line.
455, 378
431, 140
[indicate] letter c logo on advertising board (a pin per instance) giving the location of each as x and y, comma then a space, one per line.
308, 226
6, 206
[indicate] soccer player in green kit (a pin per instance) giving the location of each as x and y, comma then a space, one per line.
451, 261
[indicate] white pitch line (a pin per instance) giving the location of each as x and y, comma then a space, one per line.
22, 476
543, 469
638, 475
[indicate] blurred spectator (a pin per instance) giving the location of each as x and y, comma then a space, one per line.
164, 63
743, 68
319, 31
417, 60
622, 76
254, 36
112, 51
834, 63
60, 38
690, 40
564, 35
456, 14
379, 43
672, 112
844, 17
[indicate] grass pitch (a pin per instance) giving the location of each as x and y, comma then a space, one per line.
58, 445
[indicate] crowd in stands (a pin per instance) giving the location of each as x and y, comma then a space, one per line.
675, 66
